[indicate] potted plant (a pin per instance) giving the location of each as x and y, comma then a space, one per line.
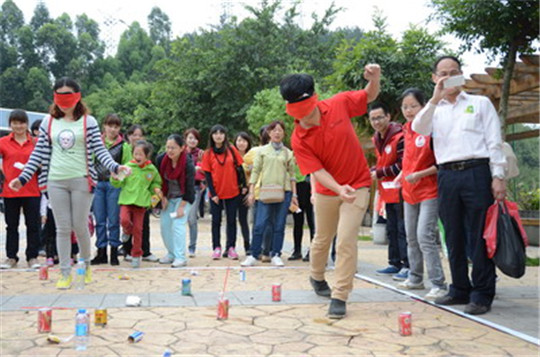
529, 205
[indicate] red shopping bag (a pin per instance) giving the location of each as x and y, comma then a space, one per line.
490, 227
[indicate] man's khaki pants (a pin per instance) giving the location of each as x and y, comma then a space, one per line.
332, 216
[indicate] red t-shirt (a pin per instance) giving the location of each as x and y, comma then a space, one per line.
13, 152
221, 166
388, 157
418, 156
333, 145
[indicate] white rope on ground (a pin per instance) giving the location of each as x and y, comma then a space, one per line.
488, 323
167, 267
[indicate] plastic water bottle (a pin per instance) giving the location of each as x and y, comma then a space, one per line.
81, 273
82, 322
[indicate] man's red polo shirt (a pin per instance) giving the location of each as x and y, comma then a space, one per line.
12, 152
333, 145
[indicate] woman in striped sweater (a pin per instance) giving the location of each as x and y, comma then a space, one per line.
68, 140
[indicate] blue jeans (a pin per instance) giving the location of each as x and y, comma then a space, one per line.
422, 237
268, 231
173, 230
107, 212
263, 214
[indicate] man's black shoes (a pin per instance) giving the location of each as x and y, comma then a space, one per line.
451, 300
337, 309
321, 288
476, 309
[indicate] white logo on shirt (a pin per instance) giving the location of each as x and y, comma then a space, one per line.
66, 139
388, 149
420, 141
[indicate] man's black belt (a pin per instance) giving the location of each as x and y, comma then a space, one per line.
463, 165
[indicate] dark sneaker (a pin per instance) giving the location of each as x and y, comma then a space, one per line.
295, 256
476, 309
321, 288
450, 300
389, 270
337, 309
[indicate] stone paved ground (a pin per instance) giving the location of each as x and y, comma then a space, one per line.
297, 326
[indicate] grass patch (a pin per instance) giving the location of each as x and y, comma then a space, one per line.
532, 262
364, 238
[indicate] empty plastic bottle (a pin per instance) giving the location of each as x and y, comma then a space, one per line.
81, 273
82, 324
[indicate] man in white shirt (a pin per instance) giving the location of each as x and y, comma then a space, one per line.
468, 148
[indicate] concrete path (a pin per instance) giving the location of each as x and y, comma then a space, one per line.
296, 326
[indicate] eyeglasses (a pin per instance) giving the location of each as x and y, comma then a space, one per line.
412, 107
452, 73
379, 118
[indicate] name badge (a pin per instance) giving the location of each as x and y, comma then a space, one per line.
420, 141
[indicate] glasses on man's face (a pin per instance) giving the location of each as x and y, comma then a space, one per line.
379, 118
452, 73
410, 107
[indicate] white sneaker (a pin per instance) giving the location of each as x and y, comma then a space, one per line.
177, 263
136, 262
166, 260
276, 261
249, 262
151, 258
435, 292
33, 263
128, 258
409, 285
8, 264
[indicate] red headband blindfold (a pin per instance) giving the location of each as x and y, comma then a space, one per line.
67, 100
301, 109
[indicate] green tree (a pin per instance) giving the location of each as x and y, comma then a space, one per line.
212, 76
38, 87
57, 45
160, 28
499, 27
11, 19
134, 50
41, 16
12, 91
403, 63
27, 53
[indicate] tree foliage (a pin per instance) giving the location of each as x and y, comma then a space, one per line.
499, 27
405, 63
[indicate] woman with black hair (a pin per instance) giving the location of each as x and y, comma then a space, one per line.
219, 164
243, 143
178, 193
15, 149
69, 140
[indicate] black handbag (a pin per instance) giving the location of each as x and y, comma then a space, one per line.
510, 256
240, 173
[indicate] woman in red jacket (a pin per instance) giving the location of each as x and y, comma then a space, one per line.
219, 164
419, 188
15, 149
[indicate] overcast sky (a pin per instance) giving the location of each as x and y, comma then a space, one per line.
188, 16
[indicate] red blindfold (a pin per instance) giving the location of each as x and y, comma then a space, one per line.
67, 100
301, 109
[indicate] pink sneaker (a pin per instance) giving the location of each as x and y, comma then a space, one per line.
232, 253
217, 253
